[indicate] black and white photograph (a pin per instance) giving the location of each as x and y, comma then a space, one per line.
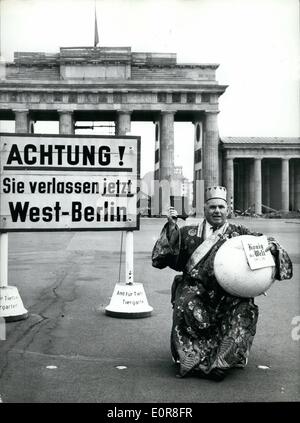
149, 205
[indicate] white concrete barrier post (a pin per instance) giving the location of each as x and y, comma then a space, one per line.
11, 305
3, 259
129, 298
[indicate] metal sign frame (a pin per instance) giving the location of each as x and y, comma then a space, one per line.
99, 138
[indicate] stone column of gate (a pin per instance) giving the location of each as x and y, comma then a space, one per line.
285, 184
198, 185
123, 123
230, 183
292, 184
166, 163
156, 150
22, 121
297, 184
210, 162
251, 192
266, 200
246, 185
166, 159
257, 184
66, 122
31, 127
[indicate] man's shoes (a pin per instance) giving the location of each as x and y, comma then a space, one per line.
216, 374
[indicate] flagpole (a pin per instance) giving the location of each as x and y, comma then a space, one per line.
96, 35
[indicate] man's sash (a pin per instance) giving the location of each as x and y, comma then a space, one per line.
205, 247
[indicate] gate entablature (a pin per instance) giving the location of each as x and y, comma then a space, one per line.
114, 83
109, 63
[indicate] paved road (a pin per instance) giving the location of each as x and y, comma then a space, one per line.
68, 350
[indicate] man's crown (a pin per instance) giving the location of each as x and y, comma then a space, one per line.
215, 192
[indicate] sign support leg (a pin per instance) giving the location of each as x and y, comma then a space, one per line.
3, 259
129, 258
11, 305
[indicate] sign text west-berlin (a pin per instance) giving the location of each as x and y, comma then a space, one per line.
68, 182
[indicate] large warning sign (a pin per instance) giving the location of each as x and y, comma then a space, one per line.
52, 182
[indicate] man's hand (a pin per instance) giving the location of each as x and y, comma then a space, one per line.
172, 219
172, 216
271, 247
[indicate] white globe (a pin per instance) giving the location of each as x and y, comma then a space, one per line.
234, 274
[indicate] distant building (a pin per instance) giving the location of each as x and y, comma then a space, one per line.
262, 172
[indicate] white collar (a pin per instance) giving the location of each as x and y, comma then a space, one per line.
204, 228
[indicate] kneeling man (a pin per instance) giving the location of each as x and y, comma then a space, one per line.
212, 330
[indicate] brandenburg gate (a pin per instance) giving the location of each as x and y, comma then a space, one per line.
117, 85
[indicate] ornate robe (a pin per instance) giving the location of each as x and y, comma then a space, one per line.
211, 328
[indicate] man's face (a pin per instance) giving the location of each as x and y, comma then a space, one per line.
215, 211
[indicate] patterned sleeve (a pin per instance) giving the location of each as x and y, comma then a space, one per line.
283, 263
284, 266
243, 230
166, 249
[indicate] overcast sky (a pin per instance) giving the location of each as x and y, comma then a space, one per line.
256, 43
